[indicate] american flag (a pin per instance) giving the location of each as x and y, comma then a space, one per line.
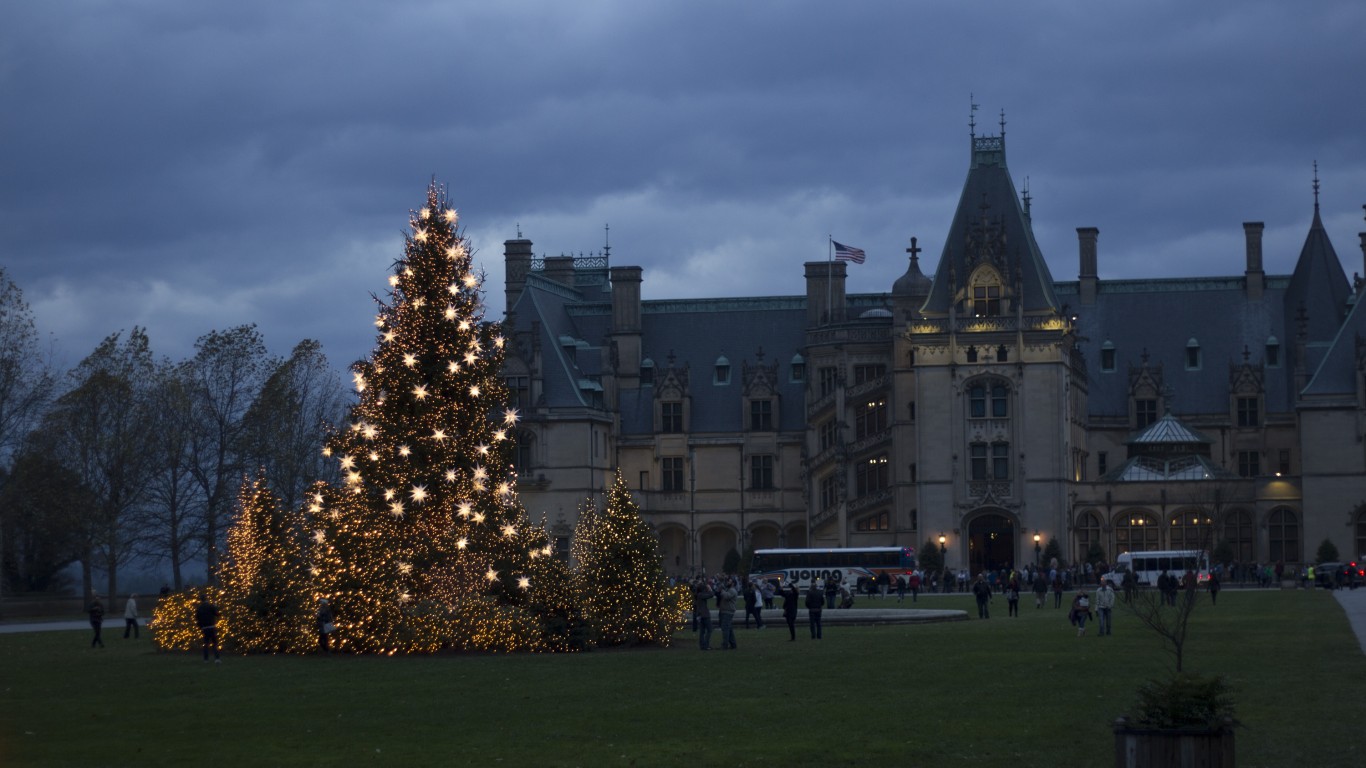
848, 253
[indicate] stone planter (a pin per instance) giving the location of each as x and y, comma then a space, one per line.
1138, 747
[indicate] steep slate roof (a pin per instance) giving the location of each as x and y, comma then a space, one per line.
695, 333
1159, 318
1319, 285
1337, 373
989, 202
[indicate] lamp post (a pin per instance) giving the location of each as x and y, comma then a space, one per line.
1036, 551
943, 566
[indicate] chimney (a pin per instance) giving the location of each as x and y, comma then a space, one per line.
560, 269
824, 292
1254, 277
517, 262
626, 324
1086, 243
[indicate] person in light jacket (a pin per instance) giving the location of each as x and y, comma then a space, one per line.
130, 617
727, 611
1105, 603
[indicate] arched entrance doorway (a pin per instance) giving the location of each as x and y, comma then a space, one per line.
991, 542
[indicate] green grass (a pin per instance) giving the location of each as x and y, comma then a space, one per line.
1004, 692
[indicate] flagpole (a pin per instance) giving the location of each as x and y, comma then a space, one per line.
829, 276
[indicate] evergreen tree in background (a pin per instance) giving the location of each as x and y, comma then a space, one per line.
267, 597
621, 574
425, 545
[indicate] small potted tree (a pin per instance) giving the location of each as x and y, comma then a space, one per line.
1184, 720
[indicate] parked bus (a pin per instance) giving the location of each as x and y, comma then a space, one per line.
856, 566
1147, 566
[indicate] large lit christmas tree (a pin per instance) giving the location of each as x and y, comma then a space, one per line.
621, 583
426, 545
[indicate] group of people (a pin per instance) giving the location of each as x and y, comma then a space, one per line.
130, 620
726, 590
1079, 613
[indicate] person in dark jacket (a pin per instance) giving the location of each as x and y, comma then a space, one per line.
326, 625
815, 601
790, 598
206, 618
982, 591
701, 611
96, 611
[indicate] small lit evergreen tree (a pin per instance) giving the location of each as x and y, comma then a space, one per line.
267, 595
620, 576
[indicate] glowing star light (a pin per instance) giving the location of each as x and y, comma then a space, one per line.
319, 536
370, 431
510, 416
509, 531
478, 517
419, 493
450, 313
504, 489
388, 494
393, 280
451, 215
452, 367
491, 575
524, 582
438, 435
471, 281
404, 450
464, 509
396, 509
410, 360
450, 475
420, 392
347, 462
462, 543
425, 213
474, 390
421, 236
405, 568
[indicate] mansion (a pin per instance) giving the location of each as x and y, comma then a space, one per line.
990, 409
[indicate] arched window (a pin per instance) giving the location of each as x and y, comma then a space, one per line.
1283, 536
1238, 532
1088, 532
1107, 356
1192, 529
1136, 531
647, 372
722, 375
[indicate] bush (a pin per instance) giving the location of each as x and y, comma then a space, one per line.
1328, 553
1184, 701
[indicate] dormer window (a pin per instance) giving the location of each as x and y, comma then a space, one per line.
1192, 355
798, 368
1273, 353
722, 374
972, 354
984, 294
1107, 357
647, 372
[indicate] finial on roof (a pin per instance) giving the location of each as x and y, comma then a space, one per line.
1003, 123
914, 250
1027, 198
607, 239
972, 116
1316, 186
519, 230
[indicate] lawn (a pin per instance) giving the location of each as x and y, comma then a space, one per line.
1002, 692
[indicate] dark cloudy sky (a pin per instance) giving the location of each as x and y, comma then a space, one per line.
189, 166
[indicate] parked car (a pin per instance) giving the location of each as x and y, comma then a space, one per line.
1333, 575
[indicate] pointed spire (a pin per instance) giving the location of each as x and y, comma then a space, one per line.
607, 240
1316, 189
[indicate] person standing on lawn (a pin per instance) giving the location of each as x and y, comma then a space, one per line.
727, 611
701, 611
1081, 611
815, 601
326, 625
790, 598
1213, 588
982, 591
206, 618
130, 617
96, 611
1105, 603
